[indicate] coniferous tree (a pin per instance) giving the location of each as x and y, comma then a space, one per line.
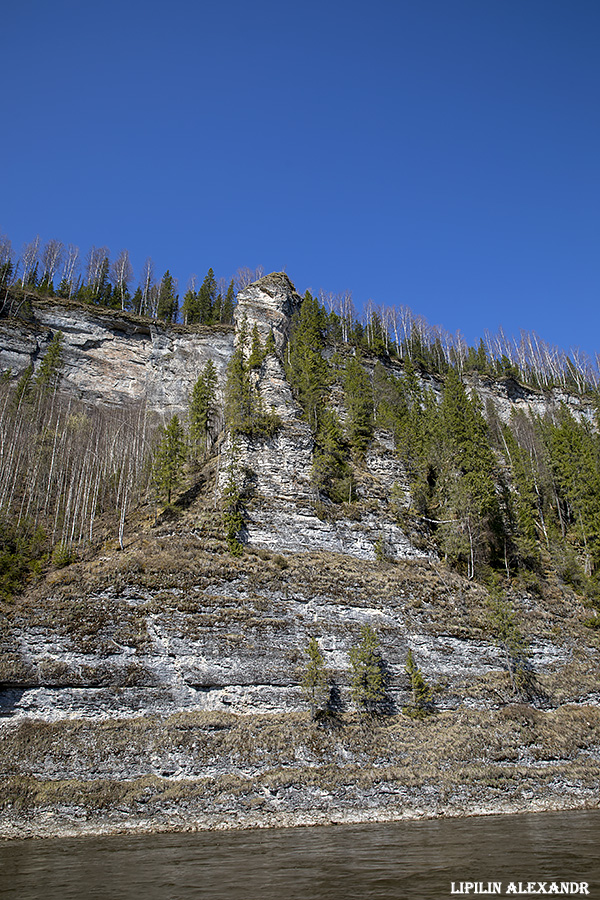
574, 458
136, 302
170, 458
49, 371
421, 692
314, 680
228, 305
270, 343
238, 395
244, 409
257, 354
202, 409
167, 305
189, 309
331, 473
508, 637
467, 488
206, 298
368, 679
358, 397
307, 370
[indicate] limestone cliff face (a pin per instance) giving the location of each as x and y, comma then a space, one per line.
159, 686
116, 359
270, 303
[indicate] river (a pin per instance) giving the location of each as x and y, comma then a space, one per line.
424, 860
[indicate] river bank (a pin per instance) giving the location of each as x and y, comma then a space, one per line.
200, 770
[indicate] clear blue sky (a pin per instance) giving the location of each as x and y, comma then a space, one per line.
442, 154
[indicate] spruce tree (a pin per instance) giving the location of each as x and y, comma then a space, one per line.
167, 306
307, 370
202, 409
422, 694
49, 371
228, 305
239, 405
314, 680
257, 355
169, 459
206, 298
358, 397
368, 679
189, 309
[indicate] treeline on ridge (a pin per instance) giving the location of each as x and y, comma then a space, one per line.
491, 497
393, 331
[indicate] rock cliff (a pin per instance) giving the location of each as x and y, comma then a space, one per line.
114, 358
159, 686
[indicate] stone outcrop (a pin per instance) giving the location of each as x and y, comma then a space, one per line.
269, 303
115, 359
159, 686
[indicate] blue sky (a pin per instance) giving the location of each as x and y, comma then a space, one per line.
441, 154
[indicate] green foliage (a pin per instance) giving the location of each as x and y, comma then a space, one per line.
244, 409
233, 520
358, 397
206, 298
24, 386
331, 473
62, 556
574, 451
422, 694
508, 637
169, 459
315, 687
257, 354
270, 343
466, 486
168, 300
228, 305
48, 374
20, 553
202, 409
306, 368
203, 307
369, 686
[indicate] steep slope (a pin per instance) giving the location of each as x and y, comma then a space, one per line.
159, 686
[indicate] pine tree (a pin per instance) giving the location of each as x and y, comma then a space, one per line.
331, 473
167, 306
49, 371
189, 309
314, 680
170, 458
307, 370
358, 397
368, 679
206, 298
257, 355
228, 305
202, 409
421, 692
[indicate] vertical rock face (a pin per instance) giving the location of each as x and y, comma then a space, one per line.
115, 359
284, 512
269, 303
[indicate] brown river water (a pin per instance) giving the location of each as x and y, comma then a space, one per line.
424, 860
